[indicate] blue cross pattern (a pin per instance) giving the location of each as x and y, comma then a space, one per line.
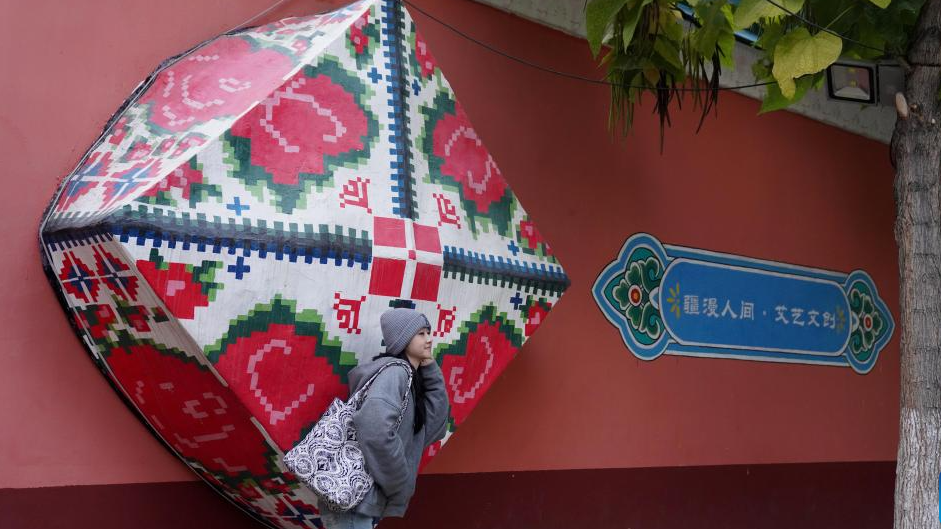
84, 281
374, 75
237, 206
112, 274
516, 300
239, 268
415, 86
513, 248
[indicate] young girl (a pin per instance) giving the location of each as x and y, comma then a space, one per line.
391, 455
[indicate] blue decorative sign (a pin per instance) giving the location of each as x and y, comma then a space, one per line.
686, 301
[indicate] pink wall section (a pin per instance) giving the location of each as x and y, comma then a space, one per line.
776, 187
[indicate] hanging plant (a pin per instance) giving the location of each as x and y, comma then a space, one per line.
650, 50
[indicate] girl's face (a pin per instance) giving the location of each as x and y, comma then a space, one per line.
418, 350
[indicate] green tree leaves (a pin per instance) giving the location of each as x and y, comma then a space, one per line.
750, 12
599, 15
715, 32
631, 18
652, 51
799, 53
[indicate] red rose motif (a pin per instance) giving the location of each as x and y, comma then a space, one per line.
278, 485
466, 160
532, 236
190, 409
425, 61
535, 316
280, 380
164, 146
159, 314
175, 286
136, 317
180, 178
303, 121
469, 376
96, 319
300, 45
119, 131
191, 140
221, 79
248, 489
357, 36
137, 152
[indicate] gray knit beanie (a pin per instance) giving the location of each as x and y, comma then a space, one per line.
399, 326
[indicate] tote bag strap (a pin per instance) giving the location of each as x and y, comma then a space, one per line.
360, 396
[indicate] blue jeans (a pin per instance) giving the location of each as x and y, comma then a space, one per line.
345, 520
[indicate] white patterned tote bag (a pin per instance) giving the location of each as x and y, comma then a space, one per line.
329, 459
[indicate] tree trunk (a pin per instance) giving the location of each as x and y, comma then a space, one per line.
916, 152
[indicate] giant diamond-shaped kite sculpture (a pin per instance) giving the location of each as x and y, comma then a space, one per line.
226, 248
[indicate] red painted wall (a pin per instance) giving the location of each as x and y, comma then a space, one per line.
776, 187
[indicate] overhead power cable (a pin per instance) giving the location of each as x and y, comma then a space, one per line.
553, 71
573, 76
816, 26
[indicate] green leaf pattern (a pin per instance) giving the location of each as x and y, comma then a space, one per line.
632, 294
868, 323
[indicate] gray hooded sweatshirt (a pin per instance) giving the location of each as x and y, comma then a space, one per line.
392, 456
